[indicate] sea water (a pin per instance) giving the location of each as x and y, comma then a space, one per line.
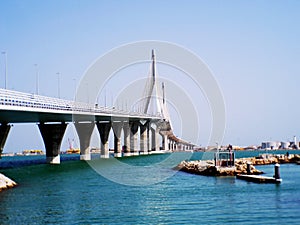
74, 193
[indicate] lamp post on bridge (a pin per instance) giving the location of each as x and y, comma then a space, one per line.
58, 84
5, 69
36, 79
105, 98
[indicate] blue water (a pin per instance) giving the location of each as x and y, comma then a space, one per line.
74, 193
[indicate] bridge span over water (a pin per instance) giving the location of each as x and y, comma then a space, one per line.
52, 115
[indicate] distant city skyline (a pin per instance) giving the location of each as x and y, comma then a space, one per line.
251, 47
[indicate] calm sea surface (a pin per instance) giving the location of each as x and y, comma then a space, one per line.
74, 193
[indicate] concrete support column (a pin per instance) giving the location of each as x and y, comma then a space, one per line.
155, 139
144, 128
179, 146
84, 131
134, 126
117, 128
4, 131
52, 135
165, 144
170, 144
148, 140
126, 129
104, 129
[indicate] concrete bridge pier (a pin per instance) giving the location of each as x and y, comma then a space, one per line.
117, 128
134, 126
52, 135
170, 144
4, 131
179, 146
148, 140
104, 129
84, 131
165, 144
175, 145
126, 130
144, 130
155, 139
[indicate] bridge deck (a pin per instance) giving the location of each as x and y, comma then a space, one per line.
18, 107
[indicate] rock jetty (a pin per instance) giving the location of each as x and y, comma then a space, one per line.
266, 159
5, 182
208, 168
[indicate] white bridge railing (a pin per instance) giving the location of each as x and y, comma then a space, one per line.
21, 99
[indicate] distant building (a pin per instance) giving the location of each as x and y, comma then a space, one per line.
33, 152
285, 145
270, 145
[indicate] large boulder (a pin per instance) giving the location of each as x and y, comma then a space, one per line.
5, 182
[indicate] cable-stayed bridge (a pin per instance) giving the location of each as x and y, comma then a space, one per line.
144, 132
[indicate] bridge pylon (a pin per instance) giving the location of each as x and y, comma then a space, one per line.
154, 102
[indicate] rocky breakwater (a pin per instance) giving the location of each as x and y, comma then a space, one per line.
266, 159
208, 168
240, 166
5, 182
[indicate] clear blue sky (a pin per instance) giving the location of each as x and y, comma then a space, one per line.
252, 48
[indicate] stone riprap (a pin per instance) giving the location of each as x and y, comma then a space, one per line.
207, 168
